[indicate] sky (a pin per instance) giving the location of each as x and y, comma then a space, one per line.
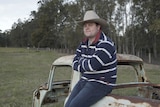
12, 10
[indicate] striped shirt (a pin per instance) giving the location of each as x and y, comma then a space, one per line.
97, 61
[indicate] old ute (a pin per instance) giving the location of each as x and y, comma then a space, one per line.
137, 91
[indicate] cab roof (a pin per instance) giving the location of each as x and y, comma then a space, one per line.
123, 59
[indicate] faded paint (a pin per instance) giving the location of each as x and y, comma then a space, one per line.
128, 58
65, 60
112, 102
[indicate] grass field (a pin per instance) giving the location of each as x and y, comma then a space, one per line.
23, 70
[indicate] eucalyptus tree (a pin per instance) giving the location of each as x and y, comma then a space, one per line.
148, 16
17, 36
122, 15
2, 39
48, 19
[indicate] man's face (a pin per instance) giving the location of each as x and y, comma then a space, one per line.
90, 29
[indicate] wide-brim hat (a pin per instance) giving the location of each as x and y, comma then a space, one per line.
91, 16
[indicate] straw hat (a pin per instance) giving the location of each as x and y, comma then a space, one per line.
91, 16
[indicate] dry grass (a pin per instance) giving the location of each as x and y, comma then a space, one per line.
22, 71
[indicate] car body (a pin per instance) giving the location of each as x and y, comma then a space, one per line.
148, 94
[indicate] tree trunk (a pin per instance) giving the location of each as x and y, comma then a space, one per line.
155, 47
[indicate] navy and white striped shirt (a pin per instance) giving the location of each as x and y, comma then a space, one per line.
97, 62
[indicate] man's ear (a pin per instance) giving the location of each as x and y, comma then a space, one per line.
99, 27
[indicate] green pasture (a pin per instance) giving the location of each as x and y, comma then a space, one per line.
23, 70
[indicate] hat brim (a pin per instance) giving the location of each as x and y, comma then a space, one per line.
100, 21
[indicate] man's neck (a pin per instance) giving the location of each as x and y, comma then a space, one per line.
93, 39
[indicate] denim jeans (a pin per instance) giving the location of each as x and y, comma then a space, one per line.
86, 93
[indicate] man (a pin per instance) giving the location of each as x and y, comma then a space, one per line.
96, 60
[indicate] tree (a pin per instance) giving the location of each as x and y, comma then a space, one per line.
133, 25
146, 15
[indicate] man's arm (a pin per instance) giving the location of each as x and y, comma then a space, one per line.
76, 60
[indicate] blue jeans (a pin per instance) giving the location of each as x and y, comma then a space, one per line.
85, 93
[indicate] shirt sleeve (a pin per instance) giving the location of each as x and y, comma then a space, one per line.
76, 66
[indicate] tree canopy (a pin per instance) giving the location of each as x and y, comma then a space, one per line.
134, 25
